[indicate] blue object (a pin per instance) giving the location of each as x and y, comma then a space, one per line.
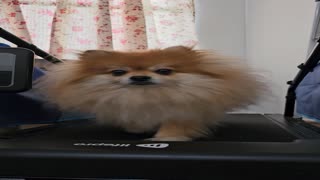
37, 73
308, 95
30, 108
4, 45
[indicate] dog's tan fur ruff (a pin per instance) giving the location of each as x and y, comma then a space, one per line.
180, 106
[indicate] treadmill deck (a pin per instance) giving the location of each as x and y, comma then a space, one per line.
243, 143
235, 127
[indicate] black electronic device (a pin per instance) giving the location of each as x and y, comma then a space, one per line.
16, 66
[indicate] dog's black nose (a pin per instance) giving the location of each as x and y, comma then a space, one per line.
140, 78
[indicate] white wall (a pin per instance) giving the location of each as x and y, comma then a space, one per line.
221, 25
277, 37
273, 35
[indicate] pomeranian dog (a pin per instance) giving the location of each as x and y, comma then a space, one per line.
177, 92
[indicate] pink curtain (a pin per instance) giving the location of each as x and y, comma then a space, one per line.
64, 27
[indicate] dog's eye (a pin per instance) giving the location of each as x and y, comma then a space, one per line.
164, 71
118, 72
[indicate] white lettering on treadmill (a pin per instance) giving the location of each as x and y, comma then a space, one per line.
151, 145
154, 146
101, 145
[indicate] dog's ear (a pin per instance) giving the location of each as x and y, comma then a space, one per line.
89, 54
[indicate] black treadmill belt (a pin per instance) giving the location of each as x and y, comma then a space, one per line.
235, 127
251, 128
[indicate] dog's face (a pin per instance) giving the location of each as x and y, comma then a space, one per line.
139, 74
148, 69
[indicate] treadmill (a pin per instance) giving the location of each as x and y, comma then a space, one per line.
245, 145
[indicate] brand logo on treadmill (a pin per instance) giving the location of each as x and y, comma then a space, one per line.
155, 146
101, 145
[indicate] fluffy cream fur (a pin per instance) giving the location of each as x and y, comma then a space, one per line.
179, 106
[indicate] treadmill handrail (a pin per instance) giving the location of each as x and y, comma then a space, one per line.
305, 68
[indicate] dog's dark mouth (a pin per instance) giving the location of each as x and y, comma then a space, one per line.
142, 83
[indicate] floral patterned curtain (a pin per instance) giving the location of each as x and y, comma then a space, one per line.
64, 27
